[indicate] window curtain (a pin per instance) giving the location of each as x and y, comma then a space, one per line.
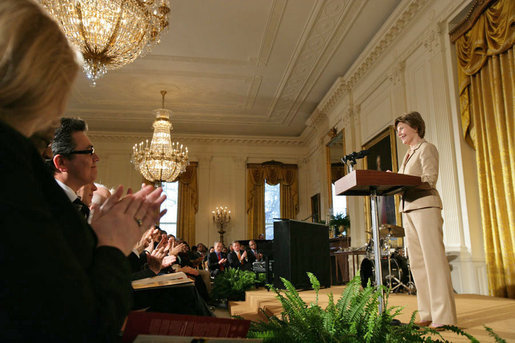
255, 202
274, 172
289, 192
187, 206
484, 49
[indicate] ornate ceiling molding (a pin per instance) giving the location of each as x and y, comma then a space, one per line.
334, 96
196, 139
386, 40
369, 58
272, 27
310, 58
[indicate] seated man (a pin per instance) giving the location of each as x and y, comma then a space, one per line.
254, 250
240, 258
217, 260
179, 300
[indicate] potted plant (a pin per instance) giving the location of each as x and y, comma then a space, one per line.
232, 284
340, 223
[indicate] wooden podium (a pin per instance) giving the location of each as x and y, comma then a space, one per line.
362, 182
375, 183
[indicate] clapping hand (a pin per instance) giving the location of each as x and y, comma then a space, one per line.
121, 221
156, 256
144, 242
176, 249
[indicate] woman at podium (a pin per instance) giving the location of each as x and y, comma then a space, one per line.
421, 209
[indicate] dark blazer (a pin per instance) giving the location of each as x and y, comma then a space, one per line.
56, 285
212, 261
245, 264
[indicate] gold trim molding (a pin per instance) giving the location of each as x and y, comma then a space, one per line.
124, 137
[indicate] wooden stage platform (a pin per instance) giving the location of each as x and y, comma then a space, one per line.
474, 311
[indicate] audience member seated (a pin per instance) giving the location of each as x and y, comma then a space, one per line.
254, 250
202, 250
178, 300
147, 260
217, 260
240, 258
195, 257
100, 195
185, 265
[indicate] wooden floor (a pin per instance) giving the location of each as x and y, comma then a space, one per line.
474, 311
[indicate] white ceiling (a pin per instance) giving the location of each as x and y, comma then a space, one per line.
235, 67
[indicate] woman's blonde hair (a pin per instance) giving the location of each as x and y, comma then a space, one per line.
37, 64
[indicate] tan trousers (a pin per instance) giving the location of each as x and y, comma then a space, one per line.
429, 265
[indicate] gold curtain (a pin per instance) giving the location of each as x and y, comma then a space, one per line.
255, 202
187, 206
289, 193
487, 89
284, 174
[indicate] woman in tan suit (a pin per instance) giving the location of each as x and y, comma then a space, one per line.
421, 215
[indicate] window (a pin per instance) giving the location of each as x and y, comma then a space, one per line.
272, 208
169, 220
339, 202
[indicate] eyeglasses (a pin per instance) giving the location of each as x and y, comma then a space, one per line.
89, 151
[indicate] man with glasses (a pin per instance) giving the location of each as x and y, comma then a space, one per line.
74, 159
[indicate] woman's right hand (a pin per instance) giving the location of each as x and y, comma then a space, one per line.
120, 222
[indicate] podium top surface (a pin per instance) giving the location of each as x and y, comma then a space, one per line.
363, 182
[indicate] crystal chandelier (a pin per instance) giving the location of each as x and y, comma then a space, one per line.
110, 33
162, 160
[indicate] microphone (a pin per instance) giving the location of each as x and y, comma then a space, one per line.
352, 159
354, 156
362, 154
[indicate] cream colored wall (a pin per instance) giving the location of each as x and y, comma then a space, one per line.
221, 172
409, 66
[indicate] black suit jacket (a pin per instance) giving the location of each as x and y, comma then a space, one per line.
56, 285
245, 264
212, 261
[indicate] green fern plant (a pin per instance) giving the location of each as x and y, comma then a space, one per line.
232, 284
353, 318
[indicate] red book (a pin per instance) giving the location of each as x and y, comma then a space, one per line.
165, 324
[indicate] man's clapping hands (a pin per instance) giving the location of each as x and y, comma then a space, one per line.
121, 221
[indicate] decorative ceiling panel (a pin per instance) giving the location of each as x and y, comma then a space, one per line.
235, 67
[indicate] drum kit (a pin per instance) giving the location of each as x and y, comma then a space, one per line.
396, 274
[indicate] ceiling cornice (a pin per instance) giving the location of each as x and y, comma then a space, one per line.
371, 55
197, 139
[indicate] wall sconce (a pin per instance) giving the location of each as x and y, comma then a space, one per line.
221, 216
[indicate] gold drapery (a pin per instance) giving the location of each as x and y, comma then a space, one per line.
271, 173
289, 192
487, 89
255, 202
187, 206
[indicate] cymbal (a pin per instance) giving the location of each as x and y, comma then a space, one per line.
393, 230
